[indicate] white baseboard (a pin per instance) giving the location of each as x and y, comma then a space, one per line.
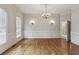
6, 46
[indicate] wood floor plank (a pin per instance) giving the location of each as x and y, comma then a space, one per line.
38, 47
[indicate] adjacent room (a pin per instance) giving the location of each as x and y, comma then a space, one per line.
39, 29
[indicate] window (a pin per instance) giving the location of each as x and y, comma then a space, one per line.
18, 27
3, 26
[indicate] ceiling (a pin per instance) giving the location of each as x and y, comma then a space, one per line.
39, 8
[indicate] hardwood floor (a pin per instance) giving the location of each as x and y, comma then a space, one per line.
74, 49
39, 47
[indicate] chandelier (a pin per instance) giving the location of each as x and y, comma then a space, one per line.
45, 14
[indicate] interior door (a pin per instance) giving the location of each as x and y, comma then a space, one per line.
65, 36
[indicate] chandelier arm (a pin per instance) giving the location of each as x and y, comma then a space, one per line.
46, 15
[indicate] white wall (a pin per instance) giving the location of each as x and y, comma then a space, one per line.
42, 28
75, 26
12, 12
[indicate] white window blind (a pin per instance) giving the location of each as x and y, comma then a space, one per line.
3, 17
18, 27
